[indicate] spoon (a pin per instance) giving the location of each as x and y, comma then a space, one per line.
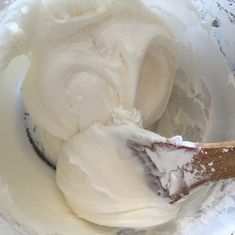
174, 167
177, 168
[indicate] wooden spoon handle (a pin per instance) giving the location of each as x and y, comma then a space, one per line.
214, 162
206, 163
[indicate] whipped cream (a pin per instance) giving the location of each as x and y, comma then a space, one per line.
115, 63
99, 72
116, 193
123, 57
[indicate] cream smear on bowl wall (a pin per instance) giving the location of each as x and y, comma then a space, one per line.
93, 73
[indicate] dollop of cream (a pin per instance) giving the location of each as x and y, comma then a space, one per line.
104, 182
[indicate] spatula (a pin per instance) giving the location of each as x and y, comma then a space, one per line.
176, 169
